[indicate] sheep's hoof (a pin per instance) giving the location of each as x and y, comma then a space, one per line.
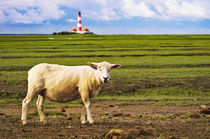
91, 122
44, 123
83, 122
24, 122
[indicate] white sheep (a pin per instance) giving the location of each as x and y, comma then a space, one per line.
65, 83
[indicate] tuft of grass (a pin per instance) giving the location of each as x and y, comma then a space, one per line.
124, 103
191, 115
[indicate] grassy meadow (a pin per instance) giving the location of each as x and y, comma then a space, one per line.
172, 69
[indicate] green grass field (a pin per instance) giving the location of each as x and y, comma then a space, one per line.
154, 67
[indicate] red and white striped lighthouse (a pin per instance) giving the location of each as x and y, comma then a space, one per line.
79, 25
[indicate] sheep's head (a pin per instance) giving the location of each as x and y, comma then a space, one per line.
104, 69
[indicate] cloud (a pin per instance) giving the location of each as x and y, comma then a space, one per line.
136, 9
30, 11
71, 20
182, 9
38, 11
156, 9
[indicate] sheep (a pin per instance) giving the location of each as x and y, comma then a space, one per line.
64, 84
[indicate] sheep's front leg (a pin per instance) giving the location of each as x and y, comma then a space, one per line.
89, 116
83, 120
86, 102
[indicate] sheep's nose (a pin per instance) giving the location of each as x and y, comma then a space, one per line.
105, 79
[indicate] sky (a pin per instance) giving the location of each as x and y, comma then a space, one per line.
106, 16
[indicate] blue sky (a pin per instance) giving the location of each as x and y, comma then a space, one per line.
106, 16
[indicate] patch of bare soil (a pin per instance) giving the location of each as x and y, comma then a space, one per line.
112, 119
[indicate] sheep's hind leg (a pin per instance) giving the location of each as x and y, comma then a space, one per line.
40, 109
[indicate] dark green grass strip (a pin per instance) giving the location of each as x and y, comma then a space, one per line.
134, 55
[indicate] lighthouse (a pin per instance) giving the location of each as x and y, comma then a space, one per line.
79, 29
79, 23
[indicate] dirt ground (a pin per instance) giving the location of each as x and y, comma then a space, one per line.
170, 122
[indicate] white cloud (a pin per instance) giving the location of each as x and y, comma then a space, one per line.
133, 8
182, 9
37, 11
30, 11
158, 9
71, 20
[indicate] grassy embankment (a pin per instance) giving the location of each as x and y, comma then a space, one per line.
165, 69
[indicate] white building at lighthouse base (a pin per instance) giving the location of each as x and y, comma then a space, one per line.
84, 31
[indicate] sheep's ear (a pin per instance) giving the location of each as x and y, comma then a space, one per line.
115, 66
93, 64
